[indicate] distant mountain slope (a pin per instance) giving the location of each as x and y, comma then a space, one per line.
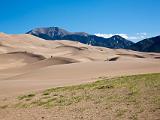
147, 45
56, 33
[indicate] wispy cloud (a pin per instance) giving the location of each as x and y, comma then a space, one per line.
142, 35
110, 35
135, 38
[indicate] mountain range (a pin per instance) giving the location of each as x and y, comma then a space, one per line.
56, 33
115, 42
147, 45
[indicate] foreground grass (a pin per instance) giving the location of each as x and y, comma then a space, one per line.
128, 96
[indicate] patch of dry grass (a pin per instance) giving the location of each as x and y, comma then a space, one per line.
127, 96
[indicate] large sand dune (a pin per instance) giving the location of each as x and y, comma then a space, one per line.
28, 63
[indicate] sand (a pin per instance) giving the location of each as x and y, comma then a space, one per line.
28, 63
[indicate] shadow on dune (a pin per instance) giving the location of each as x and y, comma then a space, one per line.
131, 55
40, 57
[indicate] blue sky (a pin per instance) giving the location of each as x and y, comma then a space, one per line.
133, 19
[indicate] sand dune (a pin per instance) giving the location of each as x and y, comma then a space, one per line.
17, 67
87, 70
17, 59
28, 63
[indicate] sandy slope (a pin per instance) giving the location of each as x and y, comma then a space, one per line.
28, 63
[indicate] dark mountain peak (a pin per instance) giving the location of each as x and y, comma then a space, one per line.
147, 45
118, 37
156, 37
50, 31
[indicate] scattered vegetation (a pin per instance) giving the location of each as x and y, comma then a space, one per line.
120, 112
124, 96
27, 97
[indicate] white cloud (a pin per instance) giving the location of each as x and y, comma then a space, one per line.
103, 35
144, 34
110, 35
135, 38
